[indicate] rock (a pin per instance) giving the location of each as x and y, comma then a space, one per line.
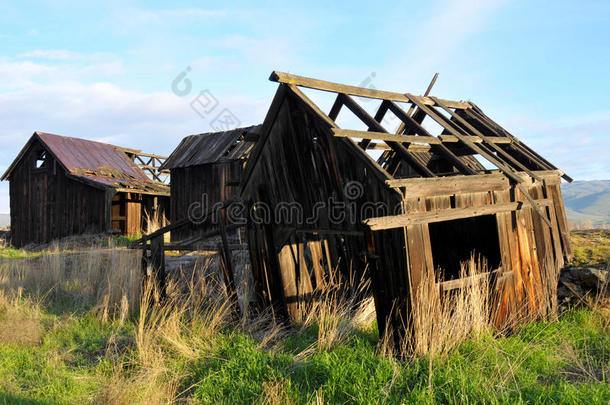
589, 278
578, 282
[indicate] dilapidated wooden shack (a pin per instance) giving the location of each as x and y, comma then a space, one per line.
206, 169
448, 183
62, 186
325, 204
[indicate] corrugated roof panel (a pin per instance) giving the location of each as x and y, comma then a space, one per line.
78, 155
212, 147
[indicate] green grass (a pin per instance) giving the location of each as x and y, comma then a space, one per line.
73, 243
123, 240
73, 363
10, 253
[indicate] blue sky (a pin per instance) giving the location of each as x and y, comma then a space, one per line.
104, 70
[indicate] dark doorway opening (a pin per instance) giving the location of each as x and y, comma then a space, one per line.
453, 242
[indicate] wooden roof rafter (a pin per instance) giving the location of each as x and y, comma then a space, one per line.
397, 147
497, 146
152, 166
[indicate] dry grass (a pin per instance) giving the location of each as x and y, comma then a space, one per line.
183, 326
274, 392
19, 319
337, 313
439, 321
106, 278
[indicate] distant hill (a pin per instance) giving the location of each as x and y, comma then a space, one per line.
5, 220
587, 202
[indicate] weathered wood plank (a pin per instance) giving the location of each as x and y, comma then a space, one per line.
353, 90
384, 136
450, 185
526, 263
402, 220
466, 281
560, 213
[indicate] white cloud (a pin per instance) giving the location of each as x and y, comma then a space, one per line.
451, 25
57, 65
61, 54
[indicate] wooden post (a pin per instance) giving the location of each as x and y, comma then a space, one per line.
157, 262
226, 265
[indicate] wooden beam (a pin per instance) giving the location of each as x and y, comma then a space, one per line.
474, 139
352, 90
336, 108
179, 224
466, 281
418, 117
536, 208
142, 191
402, 220
384, 136
226, 264
450, 185
150, 155
191, 243
378, 146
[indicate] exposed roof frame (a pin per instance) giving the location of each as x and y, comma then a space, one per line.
457, 126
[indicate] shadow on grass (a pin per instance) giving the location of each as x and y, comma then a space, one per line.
6, 399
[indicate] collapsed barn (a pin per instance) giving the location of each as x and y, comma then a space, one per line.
62, 186
206, 169
447, 184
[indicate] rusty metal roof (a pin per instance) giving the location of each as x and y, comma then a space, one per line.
78, 155
213, 147
101, 163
